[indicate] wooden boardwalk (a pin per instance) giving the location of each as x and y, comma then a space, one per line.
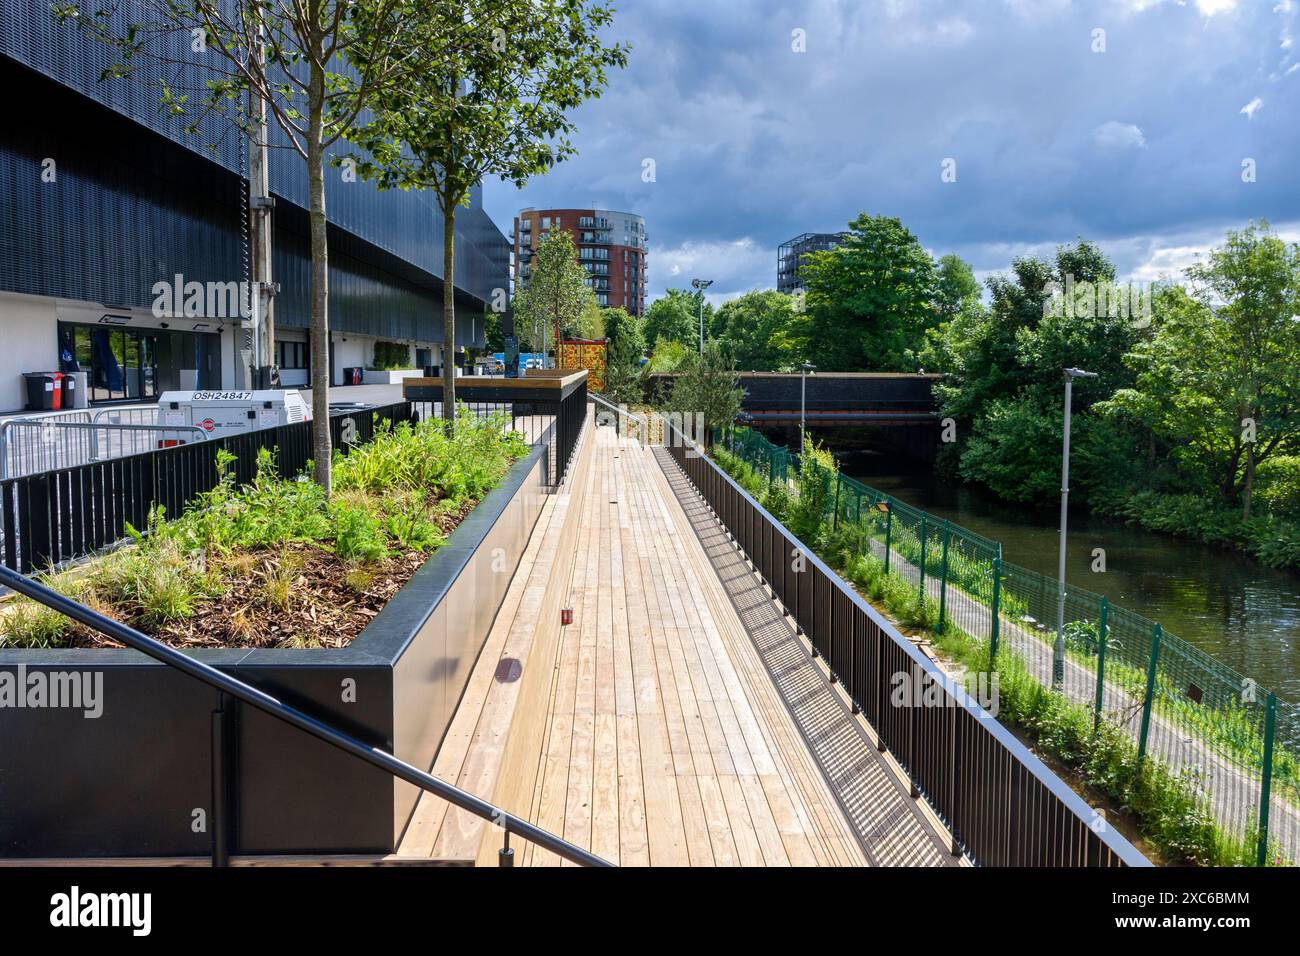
649, 731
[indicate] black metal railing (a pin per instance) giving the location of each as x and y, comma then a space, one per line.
1003, 806
52, 517
557, 423
264, 702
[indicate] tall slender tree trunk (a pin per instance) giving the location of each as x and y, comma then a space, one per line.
322, 449
449, 312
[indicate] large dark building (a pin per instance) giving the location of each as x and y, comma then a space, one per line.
103, 196
611, 250
789, 257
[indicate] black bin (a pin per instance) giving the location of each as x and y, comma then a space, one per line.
40, 391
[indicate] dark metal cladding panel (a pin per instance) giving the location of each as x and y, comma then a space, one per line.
128, 210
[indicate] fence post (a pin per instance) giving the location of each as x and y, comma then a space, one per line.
1150, 694
1266, 785
996, 625
1103, 630
839, 479
943, 582
921, 585
889, 528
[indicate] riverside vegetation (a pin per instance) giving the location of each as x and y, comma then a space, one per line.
1165, 804
276, 563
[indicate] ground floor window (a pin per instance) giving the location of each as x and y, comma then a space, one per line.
291, 355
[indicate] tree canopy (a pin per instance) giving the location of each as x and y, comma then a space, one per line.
871, 299
676, 317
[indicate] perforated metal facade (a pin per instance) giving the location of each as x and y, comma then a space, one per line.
136, 200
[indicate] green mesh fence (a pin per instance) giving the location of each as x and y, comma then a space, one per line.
1229, 745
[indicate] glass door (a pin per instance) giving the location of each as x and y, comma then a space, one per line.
120, 364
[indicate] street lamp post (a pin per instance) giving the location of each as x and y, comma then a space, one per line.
700, 285
806, 369
1058, 652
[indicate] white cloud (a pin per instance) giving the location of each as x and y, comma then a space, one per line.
1253, 107
1117, 135
732, 266
1210, 7
1206, 8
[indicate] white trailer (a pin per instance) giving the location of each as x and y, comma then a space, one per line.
232, 412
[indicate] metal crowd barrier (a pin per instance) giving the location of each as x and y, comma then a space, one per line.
32, 445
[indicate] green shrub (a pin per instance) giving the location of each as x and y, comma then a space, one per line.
1272, 539
1277, 486
391, 355
357, 536
29, 624
157, 580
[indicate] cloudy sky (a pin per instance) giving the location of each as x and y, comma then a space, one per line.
753, 141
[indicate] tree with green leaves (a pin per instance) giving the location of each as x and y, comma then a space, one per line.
675, 317
313, 66
708, 391
668, 355
590, 324
871, 298
763, 330
496, 105
1219, 380
624, 351
556, 296
1005, 366
956, 288
494, 336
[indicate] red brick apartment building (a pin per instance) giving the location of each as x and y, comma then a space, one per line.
611, 249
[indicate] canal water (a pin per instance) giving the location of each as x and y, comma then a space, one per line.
1245, 614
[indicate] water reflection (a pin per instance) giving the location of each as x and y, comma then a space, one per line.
1245, 614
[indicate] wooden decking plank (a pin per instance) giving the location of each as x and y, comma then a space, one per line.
655, 735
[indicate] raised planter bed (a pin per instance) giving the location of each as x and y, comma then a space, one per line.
137, 780
373, 376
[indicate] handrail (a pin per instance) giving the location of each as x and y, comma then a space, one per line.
618, 409
290, 715
622, 410
1017, 751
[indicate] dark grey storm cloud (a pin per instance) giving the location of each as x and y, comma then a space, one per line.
1139, 147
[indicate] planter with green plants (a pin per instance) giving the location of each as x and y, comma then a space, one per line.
367, 610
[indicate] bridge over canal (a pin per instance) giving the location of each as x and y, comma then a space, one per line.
833, 398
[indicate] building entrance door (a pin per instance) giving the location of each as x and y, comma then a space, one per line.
125, 364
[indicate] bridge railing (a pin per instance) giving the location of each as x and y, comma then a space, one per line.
1216, 743
1002, 805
